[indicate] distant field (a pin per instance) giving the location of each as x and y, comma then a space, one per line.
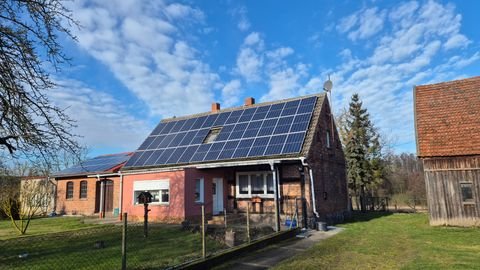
67, 243
396, 241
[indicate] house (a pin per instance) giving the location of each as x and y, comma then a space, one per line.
91, 187
278, 156
37, 194
447, 123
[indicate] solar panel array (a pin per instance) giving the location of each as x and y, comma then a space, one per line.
266, 130
97, 164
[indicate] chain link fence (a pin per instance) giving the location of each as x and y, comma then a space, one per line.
165, 246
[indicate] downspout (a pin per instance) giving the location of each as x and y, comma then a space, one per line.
312, 186
120, 205
277, 191
101, 197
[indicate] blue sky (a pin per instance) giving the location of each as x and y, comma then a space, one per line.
137, 62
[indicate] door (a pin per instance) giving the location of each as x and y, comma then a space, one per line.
108, 197
217, 191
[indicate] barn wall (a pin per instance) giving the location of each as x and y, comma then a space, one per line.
442, 179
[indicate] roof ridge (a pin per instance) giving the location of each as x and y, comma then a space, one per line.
449, 82
242, 107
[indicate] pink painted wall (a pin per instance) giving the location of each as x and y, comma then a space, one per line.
192, 209
173, 212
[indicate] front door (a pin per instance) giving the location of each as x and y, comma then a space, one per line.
217, 191
108, 197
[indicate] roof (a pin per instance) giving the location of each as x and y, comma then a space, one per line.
447, 118
278, 129
110, 163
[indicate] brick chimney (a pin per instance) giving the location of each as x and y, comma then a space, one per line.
249, 101
215, 107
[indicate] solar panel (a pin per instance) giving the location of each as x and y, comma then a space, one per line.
97, 164
262, 130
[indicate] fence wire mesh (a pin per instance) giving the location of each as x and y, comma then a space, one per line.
166, 246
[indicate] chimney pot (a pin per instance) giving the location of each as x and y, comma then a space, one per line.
249, 101
215, 107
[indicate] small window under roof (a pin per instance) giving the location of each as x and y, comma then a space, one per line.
212, 134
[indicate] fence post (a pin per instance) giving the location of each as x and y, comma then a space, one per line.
248, 222
204, 252
225, 216
124, 242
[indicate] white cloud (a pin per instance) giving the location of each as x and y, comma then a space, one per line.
249, 64
370, 22
252, 39
347, 23
457, 41
143, 46
406, 53
102, 121
243, 22
231, 93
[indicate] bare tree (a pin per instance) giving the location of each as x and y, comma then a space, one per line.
21, 204
30, 125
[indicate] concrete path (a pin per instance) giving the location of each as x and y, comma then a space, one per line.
272, 255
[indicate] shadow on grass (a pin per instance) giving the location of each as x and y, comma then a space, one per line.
358, 216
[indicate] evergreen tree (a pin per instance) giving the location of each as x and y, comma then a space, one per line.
362, 152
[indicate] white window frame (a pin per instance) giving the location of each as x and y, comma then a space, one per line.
152, 185
201, 191
250, 195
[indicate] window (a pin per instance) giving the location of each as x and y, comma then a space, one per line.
83, 189
212, 135
199, 190
467, 193
243, 184
160, 190
69, 190
255, 184
328, 139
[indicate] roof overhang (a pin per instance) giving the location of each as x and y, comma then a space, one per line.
214, 165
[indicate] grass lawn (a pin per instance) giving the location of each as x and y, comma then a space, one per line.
397, 241
42, 226
75, 249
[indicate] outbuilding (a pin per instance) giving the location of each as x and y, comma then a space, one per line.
447, 123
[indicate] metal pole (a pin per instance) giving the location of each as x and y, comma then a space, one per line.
124, 242
248, 222
225, 217
145, 220
204, 247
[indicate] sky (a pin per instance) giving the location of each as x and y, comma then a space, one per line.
136, 62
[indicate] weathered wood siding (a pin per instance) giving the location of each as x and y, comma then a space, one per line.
443, 177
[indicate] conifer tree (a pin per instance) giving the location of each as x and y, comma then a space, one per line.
362, 152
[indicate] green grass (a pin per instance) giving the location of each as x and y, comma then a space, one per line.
43, 225
74, 249
398, 241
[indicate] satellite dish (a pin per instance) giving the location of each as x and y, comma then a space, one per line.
327, 86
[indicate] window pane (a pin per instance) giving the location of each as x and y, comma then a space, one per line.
270, 186
467, 194
155, 195
257, 184
69, 190
165, 195
243, 184
83, 189
198, 190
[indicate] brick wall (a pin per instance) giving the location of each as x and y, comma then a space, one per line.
329, 171
82, 206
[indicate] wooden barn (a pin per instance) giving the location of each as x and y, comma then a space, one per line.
447, 122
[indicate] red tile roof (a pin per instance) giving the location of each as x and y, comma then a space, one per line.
447, 117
